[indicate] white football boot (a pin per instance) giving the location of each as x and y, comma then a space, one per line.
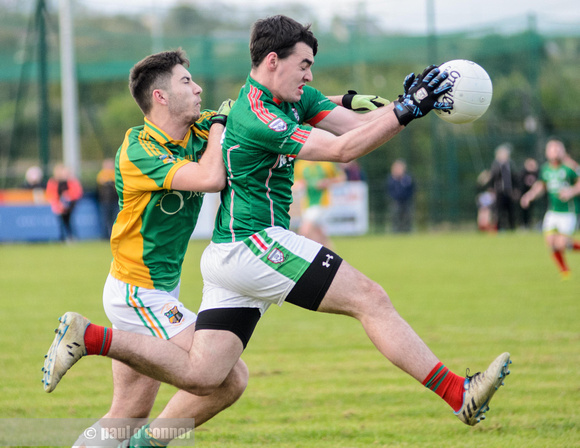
479, 390
66, 349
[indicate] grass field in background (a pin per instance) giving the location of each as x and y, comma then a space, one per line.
316, 380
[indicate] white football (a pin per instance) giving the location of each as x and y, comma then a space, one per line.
471, 92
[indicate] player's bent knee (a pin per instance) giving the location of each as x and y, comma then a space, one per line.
236, 382
375, 297
202, 388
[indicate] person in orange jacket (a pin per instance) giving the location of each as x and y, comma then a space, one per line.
63, 191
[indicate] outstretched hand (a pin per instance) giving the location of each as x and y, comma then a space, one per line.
421, 95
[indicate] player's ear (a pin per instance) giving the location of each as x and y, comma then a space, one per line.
159, 96
272, 60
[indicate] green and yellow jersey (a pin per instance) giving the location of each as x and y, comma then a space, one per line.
154, 224
312, 173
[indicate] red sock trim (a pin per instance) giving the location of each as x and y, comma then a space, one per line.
98, 340
559, 257
575, 245
446, 384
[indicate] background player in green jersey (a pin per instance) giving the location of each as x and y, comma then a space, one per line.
254, 260
159, 171
562, 184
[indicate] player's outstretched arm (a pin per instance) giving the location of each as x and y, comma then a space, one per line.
209, 174
419, 98
536, 190
568, 193
325, 146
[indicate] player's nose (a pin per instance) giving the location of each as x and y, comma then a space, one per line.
197, 89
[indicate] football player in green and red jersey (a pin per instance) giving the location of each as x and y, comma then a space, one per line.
562, 185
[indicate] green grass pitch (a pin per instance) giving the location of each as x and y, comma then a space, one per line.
316, 380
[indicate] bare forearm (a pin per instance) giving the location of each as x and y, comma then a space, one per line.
209, 174
352, 144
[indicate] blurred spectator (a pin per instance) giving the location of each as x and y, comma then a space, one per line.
485, 200
528, 176
401, 190
353, 171
33, 180
504, 183
63, 191
315, 179
107, 196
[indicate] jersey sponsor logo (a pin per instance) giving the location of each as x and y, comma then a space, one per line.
296, 114
276, 256
173, 314
167, 158
173, 201
284, 160
278, 125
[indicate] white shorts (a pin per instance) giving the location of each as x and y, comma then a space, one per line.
145, 311
315, 214
561, 222
254, 273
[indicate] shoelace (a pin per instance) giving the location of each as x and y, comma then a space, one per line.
475, 378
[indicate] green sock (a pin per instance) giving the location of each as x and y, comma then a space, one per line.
144, 438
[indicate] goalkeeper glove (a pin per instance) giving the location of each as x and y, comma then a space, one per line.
360, 103
222, 113
422, 95
408, 82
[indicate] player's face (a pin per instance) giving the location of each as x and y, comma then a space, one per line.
293, 73
184, 96
554, 151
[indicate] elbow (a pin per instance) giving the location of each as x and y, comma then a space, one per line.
344, 157
216, 185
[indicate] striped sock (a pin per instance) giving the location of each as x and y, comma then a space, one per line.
98, 339
559, 257
447, 385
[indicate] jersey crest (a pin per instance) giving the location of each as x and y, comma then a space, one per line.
278, 125
276, 256
174, 315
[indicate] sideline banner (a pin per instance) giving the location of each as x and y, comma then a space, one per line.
347, 215
37, 222
348, 211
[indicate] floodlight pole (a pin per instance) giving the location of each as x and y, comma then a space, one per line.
69, 94
432, 58
44, 114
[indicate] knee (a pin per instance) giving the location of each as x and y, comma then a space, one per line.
375, 298
236, 382
231, 388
